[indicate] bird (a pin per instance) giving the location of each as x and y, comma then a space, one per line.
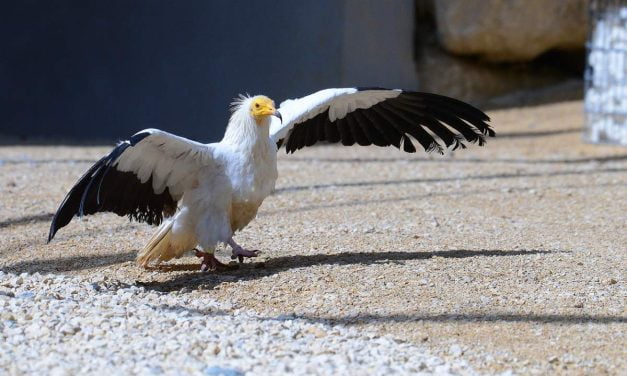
200, 195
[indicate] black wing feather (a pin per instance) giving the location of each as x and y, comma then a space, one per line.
408, 147
424, 118
460, 109
404, 124
331, 131
103, 188
357, 131
345, 132
391, 134
370, 130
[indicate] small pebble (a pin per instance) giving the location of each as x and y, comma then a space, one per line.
456, 350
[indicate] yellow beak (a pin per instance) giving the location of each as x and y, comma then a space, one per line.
268, 110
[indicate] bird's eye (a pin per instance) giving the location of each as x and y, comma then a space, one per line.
257, 105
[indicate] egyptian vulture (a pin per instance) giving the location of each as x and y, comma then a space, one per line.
201, 194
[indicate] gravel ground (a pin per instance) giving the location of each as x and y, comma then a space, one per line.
511, 257
72, 326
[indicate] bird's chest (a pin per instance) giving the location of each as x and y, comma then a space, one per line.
254, 177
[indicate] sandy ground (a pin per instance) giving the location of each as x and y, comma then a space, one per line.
512, 256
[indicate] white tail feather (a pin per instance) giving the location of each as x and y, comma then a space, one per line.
162, 246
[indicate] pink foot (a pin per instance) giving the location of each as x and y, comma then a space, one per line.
209, 261
239, 253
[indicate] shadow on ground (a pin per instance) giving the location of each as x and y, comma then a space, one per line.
455, 178
67, 264
426, 317
443, 318
462, 193
27, 219
449, 159
30, 161
249, 270
252, 271
568, 161
465, 317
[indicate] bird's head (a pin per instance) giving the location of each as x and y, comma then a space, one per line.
261, 107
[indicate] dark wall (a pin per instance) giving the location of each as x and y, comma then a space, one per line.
100, 70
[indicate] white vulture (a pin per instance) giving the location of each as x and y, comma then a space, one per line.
201, 194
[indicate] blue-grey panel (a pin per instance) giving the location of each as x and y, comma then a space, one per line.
104, 69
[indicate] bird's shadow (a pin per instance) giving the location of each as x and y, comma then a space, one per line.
256, 270
248, 270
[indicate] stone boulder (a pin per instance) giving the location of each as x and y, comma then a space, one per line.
510, 30
493, 85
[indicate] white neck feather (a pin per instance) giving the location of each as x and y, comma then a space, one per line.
243, 130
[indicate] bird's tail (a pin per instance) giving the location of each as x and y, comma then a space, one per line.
163, 246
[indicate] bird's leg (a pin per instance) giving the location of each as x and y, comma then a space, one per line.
209, 261
239, 252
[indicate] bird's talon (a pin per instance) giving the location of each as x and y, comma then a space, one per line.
240, 253
209, 261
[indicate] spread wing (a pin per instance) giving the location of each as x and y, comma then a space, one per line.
377, 116
143, 177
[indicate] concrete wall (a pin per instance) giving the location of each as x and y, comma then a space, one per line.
100, 70
378, 44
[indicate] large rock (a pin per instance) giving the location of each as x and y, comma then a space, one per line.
493, 85
510, 30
